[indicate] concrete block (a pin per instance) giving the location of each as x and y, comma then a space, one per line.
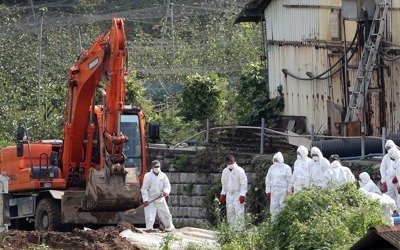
173, 200
173, 177
197, 201
184, 200
201, 178
174, 211
174, 189
200, 189
184, 178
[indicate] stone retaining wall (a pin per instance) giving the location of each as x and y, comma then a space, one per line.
191, 182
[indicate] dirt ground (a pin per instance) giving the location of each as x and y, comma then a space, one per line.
103, 238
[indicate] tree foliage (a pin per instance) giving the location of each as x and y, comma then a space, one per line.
205, 42
201, 98
173, 127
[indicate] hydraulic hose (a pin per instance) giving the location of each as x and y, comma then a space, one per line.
286, 72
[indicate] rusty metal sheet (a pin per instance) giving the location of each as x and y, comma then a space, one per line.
297, 40
306, 98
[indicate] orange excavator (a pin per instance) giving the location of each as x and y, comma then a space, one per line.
94, 174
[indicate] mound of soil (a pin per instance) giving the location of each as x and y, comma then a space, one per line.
104, 238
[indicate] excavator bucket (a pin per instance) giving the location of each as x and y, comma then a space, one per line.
111, 192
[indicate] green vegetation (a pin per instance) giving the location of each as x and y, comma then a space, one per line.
206, 46
201, 98
169, 240
329, 218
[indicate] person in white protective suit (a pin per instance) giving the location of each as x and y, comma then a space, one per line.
394, 155
318, 168
234, 189
388, 173
367, 184
388, 205
301, 175
278, 183
336, 173
348, 175
155, 189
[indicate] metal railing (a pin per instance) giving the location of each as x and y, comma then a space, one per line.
350, 147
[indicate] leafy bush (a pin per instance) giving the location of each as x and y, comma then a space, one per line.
215, 212
325, 218
334, 217
239, 239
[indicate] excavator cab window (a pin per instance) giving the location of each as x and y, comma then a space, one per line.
130, 127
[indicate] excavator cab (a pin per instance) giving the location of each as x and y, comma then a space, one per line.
130, 127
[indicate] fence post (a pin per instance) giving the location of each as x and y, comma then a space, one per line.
312, 135
383, 140
362, 142
262, 135
207, 130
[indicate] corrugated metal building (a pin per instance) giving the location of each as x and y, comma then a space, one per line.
304, 38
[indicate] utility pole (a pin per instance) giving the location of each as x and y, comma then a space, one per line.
80, 39
33, 10
172, 31
164, 24
42, 11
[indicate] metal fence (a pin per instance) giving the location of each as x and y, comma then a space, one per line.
351, 147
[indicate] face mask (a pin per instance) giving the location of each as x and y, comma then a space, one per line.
230, 166
299, 157
315, 158
156, 170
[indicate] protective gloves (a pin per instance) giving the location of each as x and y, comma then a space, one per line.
394, 181
242, 199
268, 196
384, 187
222, 198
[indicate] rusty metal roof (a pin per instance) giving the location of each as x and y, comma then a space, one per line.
252, 11
379, 238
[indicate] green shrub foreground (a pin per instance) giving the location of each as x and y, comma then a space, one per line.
334, 217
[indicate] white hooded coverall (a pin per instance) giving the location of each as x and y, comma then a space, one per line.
153, 186
234, 185
394, 153
278, 182
301, 174
338, 174
367, 184
388, 172
318, 168
388, 205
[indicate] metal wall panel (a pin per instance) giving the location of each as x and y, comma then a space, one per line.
392, 97
288, 30
394, 21
292, 24
306, 98
299, 21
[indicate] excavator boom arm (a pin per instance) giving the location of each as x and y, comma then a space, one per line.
105, 60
